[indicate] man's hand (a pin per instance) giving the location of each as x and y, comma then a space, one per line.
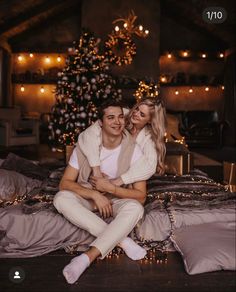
103, 204
102, 184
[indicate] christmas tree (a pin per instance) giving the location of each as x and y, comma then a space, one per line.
82, 85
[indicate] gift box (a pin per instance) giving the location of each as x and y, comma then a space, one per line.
178, 163
229, 169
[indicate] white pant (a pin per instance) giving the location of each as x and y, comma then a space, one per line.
126, 213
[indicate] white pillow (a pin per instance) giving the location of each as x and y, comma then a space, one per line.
13, 184
207, 247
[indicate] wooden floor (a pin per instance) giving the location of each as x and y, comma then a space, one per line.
44, 274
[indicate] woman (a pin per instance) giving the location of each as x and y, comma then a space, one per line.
146, 123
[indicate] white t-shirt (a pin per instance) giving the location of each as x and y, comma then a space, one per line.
109, 159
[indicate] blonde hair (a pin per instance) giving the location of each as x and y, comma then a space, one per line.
156, 127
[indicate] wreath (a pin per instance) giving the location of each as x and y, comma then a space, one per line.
120, 49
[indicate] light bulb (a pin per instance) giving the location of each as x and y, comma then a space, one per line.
58, 59
207, 89
125, 25
221, 55
31, 55
222, 87
176, 92
47, 59
203, 55
185, 54
117, 28
169, 56
42, 90
20, 58
140, 27
22, 88
190, 90
146, 31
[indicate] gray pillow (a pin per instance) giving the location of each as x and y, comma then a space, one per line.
24, 166
207, 247
14, 184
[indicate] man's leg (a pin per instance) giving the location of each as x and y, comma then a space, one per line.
127, 213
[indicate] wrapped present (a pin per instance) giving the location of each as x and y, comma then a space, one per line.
178, 163
230, 175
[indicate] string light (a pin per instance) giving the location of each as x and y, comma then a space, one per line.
125, 25
222, 87
146, 31
140, 27
169, 56
42, 90
31, 55
58, 59
163, 79
117, 28
204, 55
176, 92
221, 55
185, 54
190, 90
20, 58
47, 60
146, 90
207, 89
22, 88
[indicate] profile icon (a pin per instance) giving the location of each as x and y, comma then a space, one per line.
17, 275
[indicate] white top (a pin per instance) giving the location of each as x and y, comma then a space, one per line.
90, 141
108, 159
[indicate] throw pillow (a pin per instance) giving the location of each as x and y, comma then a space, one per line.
13, 184
207, 247
25, 167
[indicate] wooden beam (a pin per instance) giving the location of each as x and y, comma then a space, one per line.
32, 16
72, 8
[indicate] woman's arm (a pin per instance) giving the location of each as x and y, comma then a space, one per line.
137, 192
143, 168
89, 142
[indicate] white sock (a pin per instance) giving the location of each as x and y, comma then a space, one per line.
132, 249
75, 268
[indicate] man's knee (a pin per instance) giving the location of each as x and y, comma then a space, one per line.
60, 199
135, 208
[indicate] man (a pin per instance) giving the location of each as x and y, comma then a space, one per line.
76, 199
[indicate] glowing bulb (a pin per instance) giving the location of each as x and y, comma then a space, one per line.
169, 56
140, 27
125, 25
185, 54
163, 79
20, 58
207, 89
117, 28
190, 90
58, 59
42, 90
221, 55
22, 88
222, 87
203, 55
146, 31
31, 55
47, 59
176, 92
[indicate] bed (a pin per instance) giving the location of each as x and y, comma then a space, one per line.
190, 213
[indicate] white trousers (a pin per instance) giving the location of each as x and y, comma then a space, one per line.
79, 211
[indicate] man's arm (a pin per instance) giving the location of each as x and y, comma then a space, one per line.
137, 192
68, 182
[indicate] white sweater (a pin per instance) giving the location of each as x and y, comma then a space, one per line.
90, 141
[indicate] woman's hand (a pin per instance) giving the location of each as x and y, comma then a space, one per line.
102, 184
103, 204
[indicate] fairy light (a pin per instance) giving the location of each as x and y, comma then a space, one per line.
163, 79
222, 87
22, 88
58, 59
204, 56
140, 27
31, 55
42, 90
190, 90
176, 92
146, 31
20, 58
47, 60
169, 56
185, 54
125, 25
221, 55
117, 28
207, 89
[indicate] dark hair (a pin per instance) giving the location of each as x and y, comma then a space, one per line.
105, 104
